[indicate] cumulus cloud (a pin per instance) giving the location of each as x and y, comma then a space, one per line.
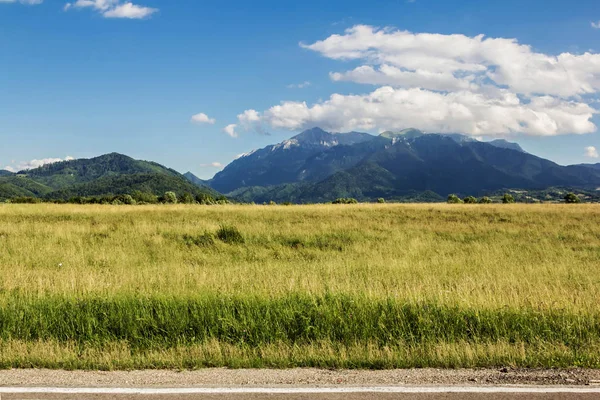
27, 2
596, 25
231, 130
114, 8
446, 83
202, 118
591, 152
27, 165
466, 112
502, 61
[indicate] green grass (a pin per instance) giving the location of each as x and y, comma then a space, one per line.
367, 286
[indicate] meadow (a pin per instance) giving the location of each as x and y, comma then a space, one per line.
333, 286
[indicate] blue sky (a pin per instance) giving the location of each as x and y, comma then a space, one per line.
106, 75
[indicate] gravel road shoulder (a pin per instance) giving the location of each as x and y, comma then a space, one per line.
298, 377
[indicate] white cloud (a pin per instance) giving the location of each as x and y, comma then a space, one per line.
202, 118
591, 152
130, 10
230, 130
504, 62
478, 114
27, 2
114, 8
446, 83
302, 85
26, 165
596, 25
212, 165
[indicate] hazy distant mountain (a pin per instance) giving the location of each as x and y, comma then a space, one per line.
195, 180
4, 172
110, 174
319, 166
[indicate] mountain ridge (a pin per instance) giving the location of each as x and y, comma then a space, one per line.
312, 166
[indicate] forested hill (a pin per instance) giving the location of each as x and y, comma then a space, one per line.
110, 174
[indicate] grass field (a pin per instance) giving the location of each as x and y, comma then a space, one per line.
361, 286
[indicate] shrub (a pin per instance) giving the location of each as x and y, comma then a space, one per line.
169, 198
572, 198
204, 240
381, 200
25, 200
144, 198
286, 203
454, 199
485, 200
272, 203
345, 201
205, 199
187, 199
508, 198
127, 199
230, 235
470, 200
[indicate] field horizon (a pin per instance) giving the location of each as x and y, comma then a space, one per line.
369, 286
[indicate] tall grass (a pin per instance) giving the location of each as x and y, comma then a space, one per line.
371, 286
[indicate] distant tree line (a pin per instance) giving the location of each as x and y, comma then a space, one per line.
507, 198
136, 197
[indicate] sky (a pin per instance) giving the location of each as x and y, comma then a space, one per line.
193, 84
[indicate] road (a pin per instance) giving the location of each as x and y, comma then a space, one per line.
296, 384
318, 393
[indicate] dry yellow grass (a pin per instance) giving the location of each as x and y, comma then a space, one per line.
544, 256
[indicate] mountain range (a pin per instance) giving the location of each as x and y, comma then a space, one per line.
316, 166
319, 166
110, 174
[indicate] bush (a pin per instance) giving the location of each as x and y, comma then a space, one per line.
127, 199
572, 198
187, 199
381, 200
205, 199
454, 199
204, 240
470, 200
169, 198
144, 198
230, 235
25, 200
485, 200
286, 203
345, 201
508, 198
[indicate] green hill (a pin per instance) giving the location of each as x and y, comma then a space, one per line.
110, 174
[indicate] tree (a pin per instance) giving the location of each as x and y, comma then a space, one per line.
187, 199
508, 198
485, 200
572, 198
470, 200
454, 199
381, 200
205, 199
170, 198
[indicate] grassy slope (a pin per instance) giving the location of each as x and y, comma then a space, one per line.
345, 286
